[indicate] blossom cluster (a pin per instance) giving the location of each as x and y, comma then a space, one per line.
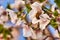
37, 21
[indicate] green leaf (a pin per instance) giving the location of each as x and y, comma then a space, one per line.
8, 6
55, 13
1, 28
41, 0
28, 7
58, 3
5, 33
53, 23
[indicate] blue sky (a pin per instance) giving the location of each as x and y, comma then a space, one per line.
51, 1
4, 3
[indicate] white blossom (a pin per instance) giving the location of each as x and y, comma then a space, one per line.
17, 4
18, 22
49, 38
26, 31
53, 7
39, 35
45, 16
4, 18
12, 15
15, 34
33, 36
59, 28
58, 11
31, 15
36, 4
1, 10
56, 34
34, 21
44, 21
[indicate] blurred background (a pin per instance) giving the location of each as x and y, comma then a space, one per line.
4, 3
